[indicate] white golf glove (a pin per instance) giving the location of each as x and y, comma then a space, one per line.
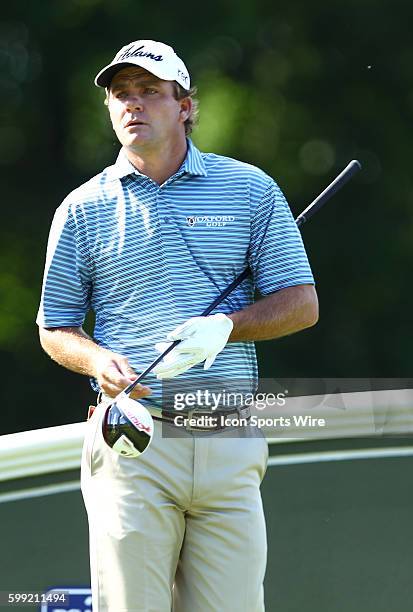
202, 339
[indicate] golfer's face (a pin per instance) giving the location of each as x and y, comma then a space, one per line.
143, 110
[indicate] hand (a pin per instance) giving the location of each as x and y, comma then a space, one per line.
114, 373
202, 339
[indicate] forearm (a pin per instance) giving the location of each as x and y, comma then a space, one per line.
72, 348
280, 314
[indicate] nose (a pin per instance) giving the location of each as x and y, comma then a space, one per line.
133, 102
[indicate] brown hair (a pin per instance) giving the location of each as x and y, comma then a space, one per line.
179, 94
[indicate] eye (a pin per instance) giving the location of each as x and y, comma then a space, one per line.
151, 90
120, 95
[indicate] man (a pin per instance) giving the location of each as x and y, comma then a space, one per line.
148, 244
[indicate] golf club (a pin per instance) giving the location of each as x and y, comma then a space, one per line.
133, 414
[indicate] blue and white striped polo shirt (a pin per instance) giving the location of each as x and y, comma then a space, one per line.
146, 257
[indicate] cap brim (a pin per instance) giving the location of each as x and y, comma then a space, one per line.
105, 76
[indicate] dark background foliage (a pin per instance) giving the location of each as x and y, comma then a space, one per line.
298, 89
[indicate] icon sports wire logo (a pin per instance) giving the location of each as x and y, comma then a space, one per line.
210, 221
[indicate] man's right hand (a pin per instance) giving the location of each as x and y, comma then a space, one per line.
75, 350
114, 373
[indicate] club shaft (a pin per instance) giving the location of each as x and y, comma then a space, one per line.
339, 182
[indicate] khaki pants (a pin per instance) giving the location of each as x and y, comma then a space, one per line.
181, 527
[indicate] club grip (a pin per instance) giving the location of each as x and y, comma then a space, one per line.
339, 182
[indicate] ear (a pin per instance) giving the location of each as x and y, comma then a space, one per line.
185, 108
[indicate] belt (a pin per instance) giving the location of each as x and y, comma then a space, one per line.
203, 420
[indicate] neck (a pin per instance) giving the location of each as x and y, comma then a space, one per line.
161, 163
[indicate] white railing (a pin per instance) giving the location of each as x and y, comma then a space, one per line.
41, 451
58, 449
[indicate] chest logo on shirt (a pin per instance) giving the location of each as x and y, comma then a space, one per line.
212, 221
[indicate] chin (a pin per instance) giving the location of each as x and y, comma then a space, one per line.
135, 143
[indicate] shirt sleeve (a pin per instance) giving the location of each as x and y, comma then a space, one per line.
277, 256
66, 289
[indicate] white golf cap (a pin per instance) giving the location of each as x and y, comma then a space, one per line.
155, 57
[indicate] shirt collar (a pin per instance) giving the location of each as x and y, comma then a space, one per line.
122, 167
192, 164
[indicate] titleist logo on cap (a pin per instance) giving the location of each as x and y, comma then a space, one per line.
138, 52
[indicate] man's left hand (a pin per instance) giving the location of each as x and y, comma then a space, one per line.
202, 338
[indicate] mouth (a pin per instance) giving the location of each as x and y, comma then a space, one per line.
134, 122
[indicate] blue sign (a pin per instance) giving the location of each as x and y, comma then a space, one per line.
75, 600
